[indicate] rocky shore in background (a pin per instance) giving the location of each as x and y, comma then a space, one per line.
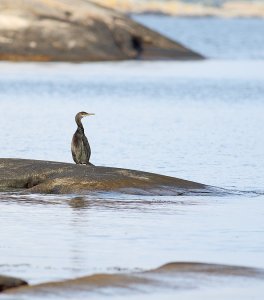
181, 8
36, 176
76, 31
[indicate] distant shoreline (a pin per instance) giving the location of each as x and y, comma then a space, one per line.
160, 14
229, 9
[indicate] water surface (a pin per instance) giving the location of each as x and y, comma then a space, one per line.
235, 38
201, 121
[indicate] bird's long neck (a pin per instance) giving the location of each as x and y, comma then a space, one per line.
79, 124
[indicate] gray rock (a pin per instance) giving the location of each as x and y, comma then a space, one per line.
37, 176
7, 282
65, 30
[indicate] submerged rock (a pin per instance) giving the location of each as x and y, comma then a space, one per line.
7, 282
65, 30
38, 176
169, 277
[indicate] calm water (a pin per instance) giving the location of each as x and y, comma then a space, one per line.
213, 37
201, 121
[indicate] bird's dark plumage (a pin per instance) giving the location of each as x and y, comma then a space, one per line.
80, 147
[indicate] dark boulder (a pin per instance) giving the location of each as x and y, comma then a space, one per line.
7, 282
37, 176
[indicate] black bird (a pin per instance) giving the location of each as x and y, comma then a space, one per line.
80, 147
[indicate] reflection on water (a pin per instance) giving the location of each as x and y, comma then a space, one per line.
78, 203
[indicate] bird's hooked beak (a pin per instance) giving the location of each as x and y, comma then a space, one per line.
88, 114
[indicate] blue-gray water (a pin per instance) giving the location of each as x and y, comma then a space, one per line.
213, 37
201, 121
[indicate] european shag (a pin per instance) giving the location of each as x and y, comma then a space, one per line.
80, 147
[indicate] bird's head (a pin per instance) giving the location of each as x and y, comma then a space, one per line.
81, 115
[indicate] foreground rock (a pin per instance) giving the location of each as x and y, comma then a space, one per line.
59, 30
170, 277
63, 178
7, 282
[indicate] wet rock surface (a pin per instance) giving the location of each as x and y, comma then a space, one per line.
172, 276
79, 30
36, 176
7, 282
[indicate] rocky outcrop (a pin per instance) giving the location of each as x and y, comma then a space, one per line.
62, 178
7, 282
65, 30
